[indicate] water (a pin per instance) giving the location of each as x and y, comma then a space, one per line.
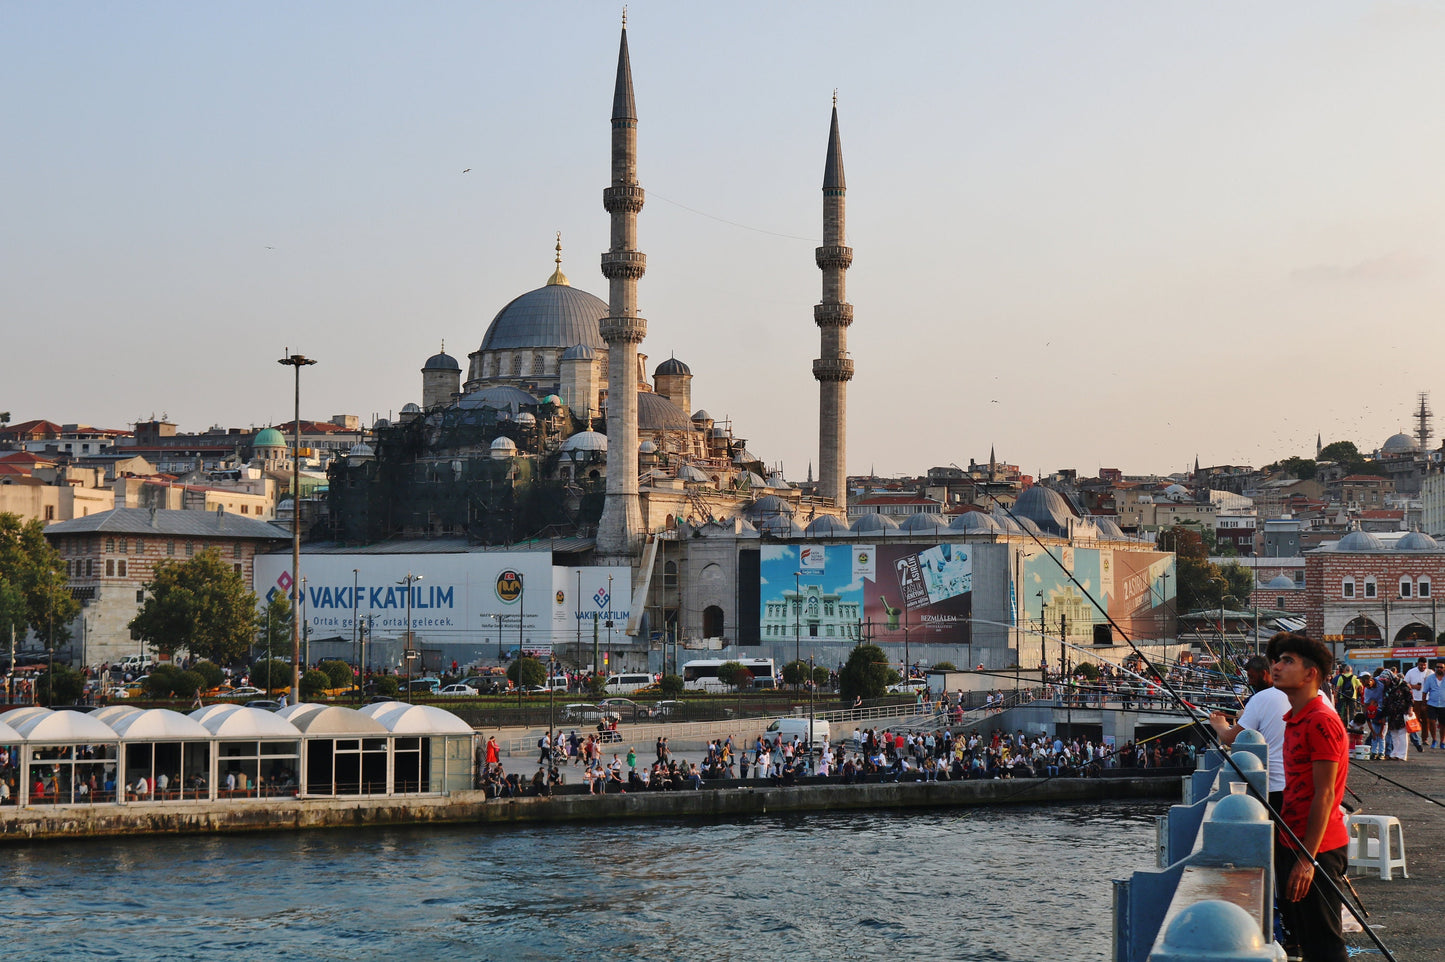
1015, 883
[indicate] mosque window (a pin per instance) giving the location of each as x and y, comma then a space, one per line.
1424, 587
516, 365
120, 568
1405, 587
140, 546
110, 567
109, 545
170, 547
669, 575
538, 365
190, 549
90, 567
1371, 588
1347, 588
236, 550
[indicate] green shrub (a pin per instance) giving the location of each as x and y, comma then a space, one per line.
387, 685
211, 675
945, 666
339, 672
527, 672
314, 683
794, 673
68, 683
672, 686
271, 674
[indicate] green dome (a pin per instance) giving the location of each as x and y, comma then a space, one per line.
269, 438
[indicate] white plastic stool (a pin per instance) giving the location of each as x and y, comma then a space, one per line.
1376, 842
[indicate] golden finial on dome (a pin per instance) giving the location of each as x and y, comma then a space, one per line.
624, 16
558, 278
835, 98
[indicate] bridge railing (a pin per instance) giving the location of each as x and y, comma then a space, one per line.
1215, 879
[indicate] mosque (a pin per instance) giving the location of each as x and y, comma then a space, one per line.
556, 442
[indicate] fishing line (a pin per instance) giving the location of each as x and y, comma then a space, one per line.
1210, 735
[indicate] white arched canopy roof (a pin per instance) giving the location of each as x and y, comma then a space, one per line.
294, 713
421, 720
14, 717
64, 728
335, 720
249, 723
214, 711
9, 736
160, 724
112, 714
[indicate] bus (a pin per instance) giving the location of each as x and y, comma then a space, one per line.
702, 675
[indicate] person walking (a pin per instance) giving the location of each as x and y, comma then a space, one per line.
1415, 678
1434, 692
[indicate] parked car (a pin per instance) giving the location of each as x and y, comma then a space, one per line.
265, 703
625, 708
909, 687
458, 691
243, 692
666, 709
583, 711
427, 685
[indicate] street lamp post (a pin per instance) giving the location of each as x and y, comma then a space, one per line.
305, 633
407, 653
521, 621
798, 617
355, 652
297, 362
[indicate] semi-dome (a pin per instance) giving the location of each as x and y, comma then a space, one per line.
1006, 524
1046, 508
671, 366
586, 441
1397, 444
269, 438
874, 524
647, 447
501, 397
555, 316
1279, 582
827, 526
579, 352
442, 362
922, 521
1109, 530
1359, 541
974, 522
1417, 541
657, 413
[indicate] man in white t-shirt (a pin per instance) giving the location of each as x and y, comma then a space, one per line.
1264, 712
1415, 678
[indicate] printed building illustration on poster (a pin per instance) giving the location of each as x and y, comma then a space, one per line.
1132, 587
886, 592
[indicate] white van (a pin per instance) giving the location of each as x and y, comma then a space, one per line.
626, 684
789, 728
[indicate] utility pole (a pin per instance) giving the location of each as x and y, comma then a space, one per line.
297, 362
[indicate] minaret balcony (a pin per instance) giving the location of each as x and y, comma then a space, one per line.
833, 315
835, 258
625, 264
622, 330
626, 199
831, 368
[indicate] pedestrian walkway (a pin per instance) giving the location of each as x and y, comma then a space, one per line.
1405, 912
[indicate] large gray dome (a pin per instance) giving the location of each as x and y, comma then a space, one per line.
1398, 444
827, 526
923, 521
1417, 541
1359, 541
975, 522
1046, 508
657, 413
874, 524
556, 316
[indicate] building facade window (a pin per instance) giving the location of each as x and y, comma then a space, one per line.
190, 549
1372, 590
1347, 588
90, 567
170, 547
236, 550
1423, 587
120, 568
1405, 587
140, 546
110, 567
109, 545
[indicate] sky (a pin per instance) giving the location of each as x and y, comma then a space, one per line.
1120, 235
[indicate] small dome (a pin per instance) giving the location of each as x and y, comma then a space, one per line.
503, 447
579, 352
1006, 524
768, 506
776, 480
410, 407
754, 480
780, 526
696, 475
975, 522
701, 415
670, 367
874, 524
441, 362
924, 521
657, 413
1280, 582
269, 438
827, 526
381, 423
553, 400
647, 447
1109, 530
1398, 444
586, 441
361, 450
526, 418
1417, 541
1046, 508
1359, 541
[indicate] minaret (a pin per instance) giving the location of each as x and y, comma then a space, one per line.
834, 369
619, 533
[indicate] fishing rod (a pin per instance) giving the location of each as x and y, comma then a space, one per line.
1210, 735
1407, 788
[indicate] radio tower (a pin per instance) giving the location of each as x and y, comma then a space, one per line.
1422, 422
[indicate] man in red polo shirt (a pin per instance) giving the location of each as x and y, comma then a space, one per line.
1316, 766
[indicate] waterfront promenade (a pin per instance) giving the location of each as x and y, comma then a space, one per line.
1406, 912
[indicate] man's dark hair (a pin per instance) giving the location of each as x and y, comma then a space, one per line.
1257, 663
1316, 653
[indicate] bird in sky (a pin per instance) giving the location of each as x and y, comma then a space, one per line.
467, 171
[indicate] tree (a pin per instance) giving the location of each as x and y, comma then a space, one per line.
387, 685
945, 666
821, 676
866, 674
527, 672
734, 675
1302, 469
68, 683
201, 604
271, 674
338, 674
671, 685
210, 673
314, 683
168, 681
1238, 583
273, 625
795, 673
31, 566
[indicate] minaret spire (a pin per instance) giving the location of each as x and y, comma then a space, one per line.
620, 531
833, 369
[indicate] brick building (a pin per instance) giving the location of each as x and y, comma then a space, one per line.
1365, 592
109, 557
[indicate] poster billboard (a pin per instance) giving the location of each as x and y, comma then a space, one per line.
1134, 589
512, 597
888, 592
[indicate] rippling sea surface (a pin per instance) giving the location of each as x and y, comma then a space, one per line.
1001, 883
